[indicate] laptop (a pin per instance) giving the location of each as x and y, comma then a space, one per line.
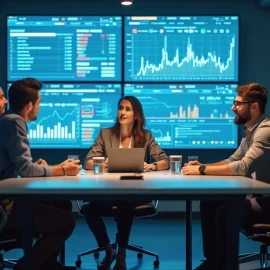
126, 160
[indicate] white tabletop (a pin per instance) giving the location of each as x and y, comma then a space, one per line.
153, 183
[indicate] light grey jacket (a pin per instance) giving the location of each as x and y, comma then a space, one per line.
106, 140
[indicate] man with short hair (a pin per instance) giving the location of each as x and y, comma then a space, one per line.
51, 220
15, 156
251, 159
3, 102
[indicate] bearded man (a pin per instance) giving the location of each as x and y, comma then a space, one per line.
251, 159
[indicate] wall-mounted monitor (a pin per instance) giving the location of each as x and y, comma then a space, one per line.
181, 48
186, 116
64, 48
71, 115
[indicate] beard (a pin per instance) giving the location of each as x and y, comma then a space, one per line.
32, 115
3, 108
2, 111
242, 119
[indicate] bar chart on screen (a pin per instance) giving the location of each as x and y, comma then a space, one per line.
56, 122
71, 115
183, 115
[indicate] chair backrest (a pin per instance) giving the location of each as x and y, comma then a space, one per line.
3, 218
258, 232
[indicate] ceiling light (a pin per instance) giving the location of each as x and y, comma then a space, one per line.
126, 2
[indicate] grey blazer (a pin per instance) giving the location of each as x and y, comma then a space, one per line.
106, 140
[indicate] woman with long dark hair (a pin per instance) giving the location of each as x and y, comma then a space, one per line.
127, 132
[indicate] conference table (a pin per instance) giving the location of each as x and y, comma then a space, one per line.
126, 186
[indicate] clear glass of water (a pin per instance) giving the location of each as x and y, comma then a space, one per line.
98, 165
75, 157
193, 158
176, 164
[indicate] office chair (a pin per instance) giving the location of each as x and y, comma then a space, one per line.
259, 233
9, 241
5, 241
140, 211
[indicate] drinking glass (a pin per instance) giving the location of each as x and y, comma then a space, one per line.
98, 165
176, 164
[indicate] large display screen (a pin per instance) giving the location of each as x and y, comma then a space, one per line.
183, 69
188, 115
71, 115
65, 48
181, 48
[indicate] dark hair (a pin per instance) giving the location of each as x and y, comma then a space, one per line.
138, 128
22, 92
254, 92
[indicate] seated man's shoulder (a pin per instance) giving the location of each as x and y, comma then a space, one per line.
11, 119
263, 130
265, 123
266, 120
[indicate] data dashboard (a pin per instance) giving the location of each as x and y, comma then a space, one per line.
183, 69
181, 48
188, 115
71, 115
59, 48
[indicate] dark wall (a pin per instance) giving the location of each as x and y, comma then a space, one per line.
254, 41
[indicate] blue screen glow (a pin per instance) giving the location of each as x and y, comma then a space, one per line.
54, 48
181, 48
71, 115
188, 115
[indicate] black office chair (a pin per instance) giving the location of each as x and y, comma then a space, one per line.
8, 241
3, 241
259, 233
141, 211
11, 240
